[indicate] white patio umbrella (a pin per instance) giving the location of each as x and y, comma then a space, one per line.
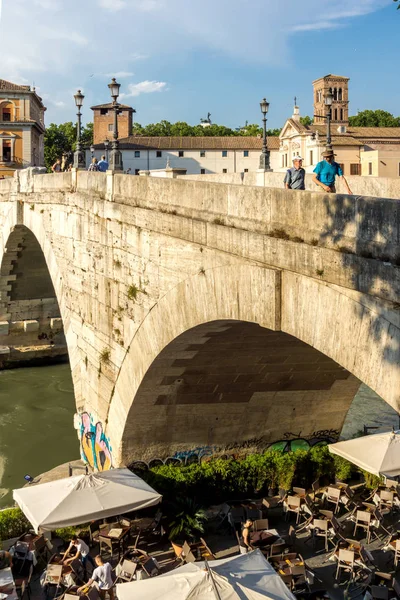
246, 576
82, 498
378, 453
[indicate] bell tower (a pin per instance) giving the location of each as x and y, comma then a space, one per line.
339, 86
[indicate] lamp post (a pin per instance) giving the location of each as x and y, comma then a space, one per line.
115, 154
328, 104
264, 157
106, 146
79, 158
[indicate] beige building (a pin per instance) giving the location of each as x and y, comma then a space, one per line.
21, 128
373, 151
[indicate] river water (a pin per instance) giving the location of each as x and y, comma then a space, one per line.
36, 422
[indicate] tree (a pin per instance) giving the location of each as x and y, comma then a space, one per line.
181, 128
398, 6
61, 139
374, 118
306, 120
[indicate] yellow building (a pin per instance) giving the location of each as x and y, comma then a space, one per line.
21, 128
373, 151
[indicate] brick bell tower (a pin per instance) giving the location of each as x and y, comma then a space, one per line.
103, 122
339, 86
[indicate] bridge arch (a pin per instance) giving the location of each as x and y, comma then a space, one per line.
275, 300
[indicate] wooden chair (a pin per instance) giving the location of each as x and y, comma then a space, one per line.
326, 513
150, 567
40, 548
187, 553
345, 562
111, 544
205, 550
386, 501
321, 529
128, 569
333, 497
293, 504
363, 520
277, 549
178, 552
260, 524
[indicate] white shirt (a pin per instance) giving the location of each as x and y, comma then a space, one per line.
82, 547
103, 576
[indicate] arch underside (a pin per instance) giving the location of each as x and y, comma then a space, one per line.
327, 330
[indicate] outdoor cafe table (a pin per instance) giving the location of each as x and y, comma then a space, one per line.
7, 584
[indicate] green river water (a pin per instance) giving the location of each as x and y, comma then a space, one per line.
36, 424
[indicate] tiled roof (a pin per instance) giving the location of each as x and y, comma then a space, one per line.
110, 105
138, 142
13, 87
374, 132
331, 75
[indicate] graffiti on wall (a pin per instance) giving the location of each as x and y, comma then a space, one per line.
290, 442
95, 446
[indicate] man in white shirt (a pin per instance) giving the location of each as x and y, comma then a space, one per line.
82, 552
103, 577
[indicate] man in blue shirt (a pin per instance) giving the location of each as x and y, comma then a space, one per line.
326, 171
102, 165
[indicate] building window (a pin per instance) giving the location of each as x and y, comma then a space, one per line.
158, 154
246, 153
355, 169
137, 153
110, 127
202, 171
311, 157
369, 168
7, 115
341, 114
181, 154
224, 153
340, 95
285, 160
246, 170
335, 114
341, 165
202, 153
224, 170
137, 171
104, 111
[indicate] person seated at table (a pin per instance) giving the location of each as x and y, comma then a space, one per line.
5, 559
82, 552
103, 577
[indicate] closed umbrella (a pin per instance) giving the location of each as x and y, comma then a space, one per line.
378, 453
82, 498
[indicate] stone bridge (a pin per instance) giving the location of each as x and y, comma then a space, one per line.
198, 315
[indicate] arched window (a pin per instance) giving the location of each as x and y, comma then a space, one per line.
340, 96
341, 114
335, 115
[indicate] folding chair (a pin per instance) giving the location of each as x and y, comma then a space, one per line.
386, 501
187, 553
363, 520
277, 549
110, 544
40, 548
260, 524
150, 567
299, 491
205, 550
345, 562
127, 572
310, 505
321, 529
293, 504
333, 497
178, 552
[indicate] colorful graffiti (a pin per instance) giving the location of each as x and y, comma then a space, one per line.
95, 446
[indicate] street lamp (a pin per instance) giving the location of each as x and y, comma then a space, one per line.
328, 104
79, 158
115, 154
106, 146
264, 158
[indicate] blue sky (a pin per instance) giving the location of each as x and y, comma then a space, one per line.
179, 59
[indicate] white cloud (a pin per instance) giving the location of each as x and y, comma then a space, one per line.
144, 87
317, 26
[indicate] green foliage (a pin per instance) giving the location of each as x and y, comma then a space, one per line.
67, 533
306, 120
220, 479
181, 128
61, 139
374, 118
343, 468
372, 481
13, 523
185, 519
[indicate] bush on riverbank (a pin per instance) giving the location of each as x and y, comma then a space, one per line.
219, 479
13, 523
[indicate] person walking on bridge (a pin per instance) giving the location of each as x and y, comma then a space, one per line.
294, 178
326, 171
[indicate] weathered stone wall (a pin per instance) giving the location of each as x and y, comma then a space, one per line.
137, 261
